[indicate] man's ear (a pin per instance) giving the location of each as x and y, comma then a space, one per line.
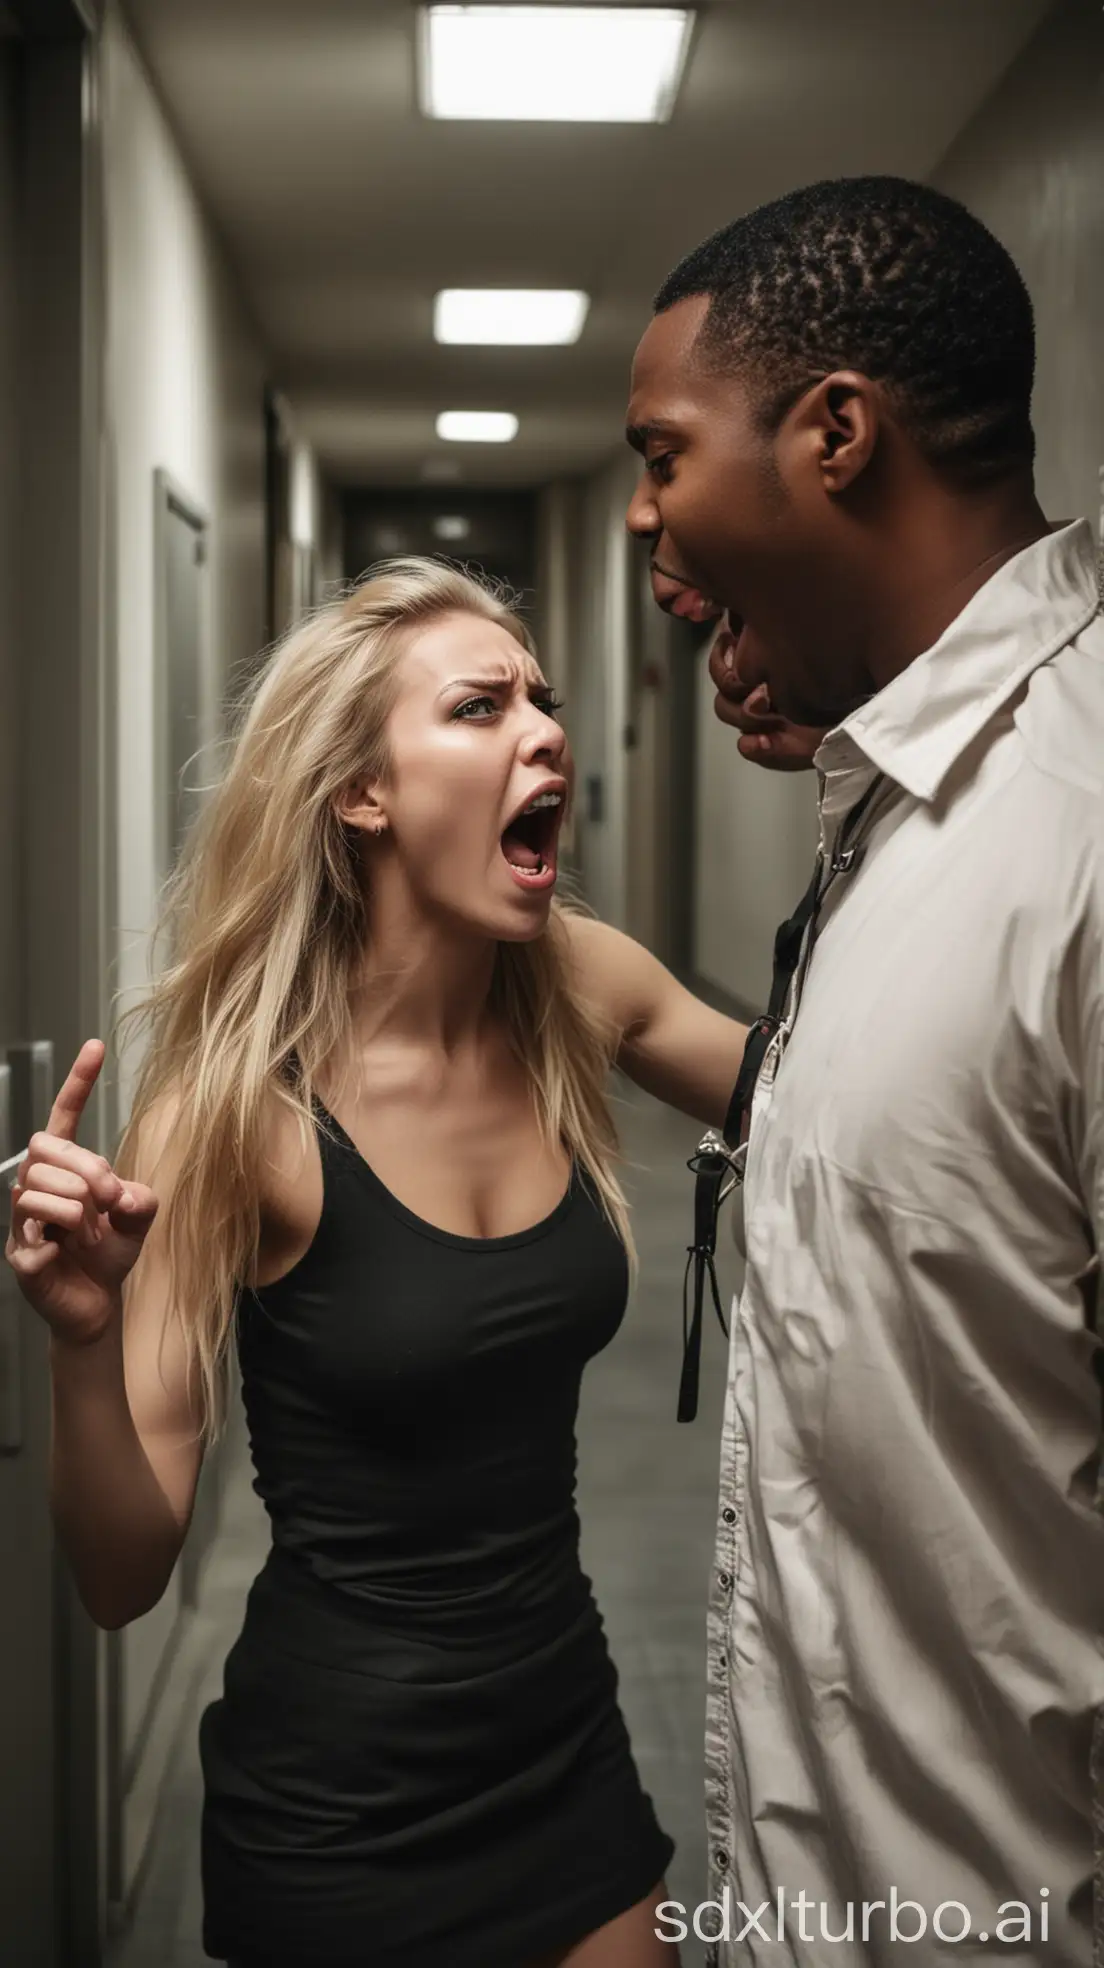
834, 428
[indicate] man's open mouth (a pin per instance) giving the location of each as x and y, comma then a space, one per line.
726, 645
678, 597
529, 842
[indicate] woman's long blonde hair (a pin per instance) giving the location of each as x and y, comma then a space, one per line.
264, 917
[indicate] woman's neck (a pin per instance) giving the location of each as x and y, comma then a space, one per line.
423, 981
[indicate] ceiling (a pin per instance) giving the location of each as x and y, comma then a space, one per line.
344, 210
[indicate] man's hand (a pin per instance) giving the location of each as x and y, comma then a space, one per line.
766, 739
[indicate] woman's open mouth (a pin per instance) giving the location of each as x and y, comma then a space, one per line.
529, 842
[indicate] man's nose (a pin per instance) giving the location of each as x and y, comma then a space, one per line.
642, 517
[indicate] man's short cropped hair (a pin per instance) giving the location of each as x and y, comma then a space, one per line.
886, 277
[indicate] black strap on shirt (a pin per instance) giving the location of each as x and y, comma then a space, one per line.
713, 1164
717, 1165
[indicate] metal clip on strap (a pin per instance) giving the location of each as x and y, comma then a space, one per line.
718, 1156
710, 1165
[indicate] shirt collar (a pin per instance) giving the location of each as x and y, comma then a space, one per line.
916, 729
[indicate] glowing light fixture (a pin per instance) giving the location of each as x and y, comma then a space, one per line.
553, 64
477, 426
520, 316
451, 526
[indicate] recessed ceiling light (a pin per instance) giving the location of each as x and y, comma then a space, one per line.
553, 64
477, 426
451, 526
521, 316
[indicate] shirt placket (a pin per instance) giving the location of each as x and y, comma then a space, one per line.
720, 1826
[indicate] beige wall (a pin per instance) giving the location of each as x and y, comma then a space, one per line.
186, 377
599, 683
1031, 165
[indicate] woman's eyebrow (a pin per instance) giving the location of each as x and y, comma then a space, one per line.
478, 683
531, 683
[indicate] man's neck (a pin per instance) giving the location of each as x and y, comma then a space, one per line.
941, 566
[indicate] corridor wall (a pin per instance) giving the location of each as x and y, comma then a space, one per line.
1031, 165
755, 842
186, 374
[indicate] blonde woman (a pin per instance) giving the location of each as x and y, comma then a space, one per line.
370, 1146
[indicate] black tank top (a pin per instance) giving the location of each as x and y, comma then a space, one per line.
411, 1398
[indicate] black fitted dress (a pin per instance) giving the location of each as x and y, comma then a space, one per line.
419, 1760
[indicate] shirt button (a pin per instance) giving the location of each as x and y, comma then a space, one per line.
724, 1580
721, 1858
722, 1658
728, 1514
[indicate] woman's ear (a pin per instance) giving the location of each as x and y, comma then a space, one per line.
359, 806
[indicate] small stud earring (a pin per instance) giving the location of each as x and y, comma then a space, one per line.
379, 827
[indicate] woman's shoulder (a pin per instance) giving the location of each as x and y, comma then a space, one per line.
608, 966
595, 946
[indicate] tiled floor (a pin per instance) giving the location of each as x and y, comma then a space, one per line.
646, 1498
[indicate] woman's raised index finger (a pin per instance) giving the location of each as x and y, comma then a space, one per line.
72, 1097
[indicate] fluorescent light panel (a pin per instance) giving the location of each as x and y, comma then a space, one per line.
477, 426
520, 316
553, 64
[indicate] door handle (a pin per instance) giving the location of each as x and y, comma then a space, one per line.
29, 1067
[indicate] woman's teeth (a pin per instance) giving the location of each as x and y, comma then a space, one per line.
525, 857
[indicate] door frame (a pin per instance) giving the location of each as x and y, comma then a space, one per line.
169, 497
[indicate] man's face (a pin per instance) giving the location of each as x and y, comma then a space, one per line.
735, 521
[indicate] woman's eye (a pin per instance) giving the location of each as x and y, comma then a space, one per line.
473, 706
551, 705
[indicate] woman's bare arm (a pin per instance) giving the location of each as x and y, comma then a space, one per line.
672, 1044
125, 1463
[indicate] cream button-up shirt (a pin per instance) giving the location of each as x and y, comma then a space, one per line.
906, 1625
